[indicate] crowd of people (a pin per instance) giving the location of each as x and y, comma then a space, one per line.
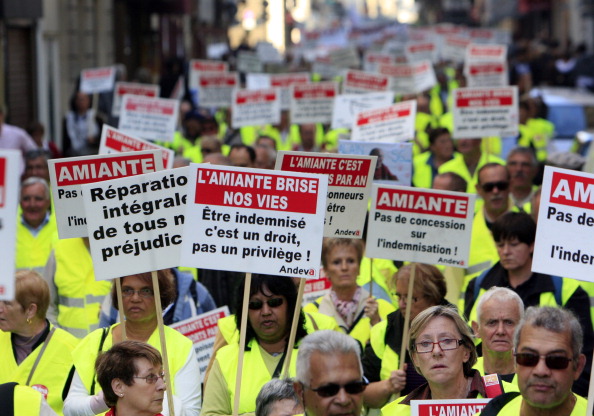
68, 351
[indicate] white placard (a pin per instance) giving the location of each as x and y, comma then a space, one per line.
249, 62
421, 51
268, 53
202, 330
97, 80
312, 103
67, 176
486, 74
315, 288
215, 89
485, 112
257, 81
486, 53
386, 125
564, 245
133, 88
349, 187
427, 226
254, 220
284, 82
255, 107
360, 82
371, 60
116, 141
10, 162
149, 118
345, 58
347, 106
410, 78
135, 224
202, 65
458, 407
454, 48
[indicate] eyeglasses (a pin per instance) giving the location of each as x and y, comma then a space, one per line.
445, 345
554, 362
404, 298
145, 292
489, 186
332, 389
256, 305
152, 378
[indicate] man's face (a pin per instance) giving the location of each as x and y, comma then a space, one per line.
521, 170
513, 254
542, 387
466, 146
308, 135
240, 158
442, 183
443, 146
498, 322
326, 369
37, 167
493, 187
35, 204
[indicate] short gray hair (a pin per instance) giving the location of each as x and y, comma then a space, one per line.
34, 180
558, 320
520, 150
501, 294
274, 391
325, 342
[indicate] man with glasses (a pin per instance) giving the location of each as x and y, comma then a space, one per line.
329, 375
514, 234
548, 356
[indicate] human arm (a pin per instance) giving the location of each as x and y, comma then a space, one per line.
378, 393
216, 396
80, 403
372, 310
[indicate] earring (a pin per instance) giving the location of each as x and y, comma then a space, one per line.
29, 321
121, 394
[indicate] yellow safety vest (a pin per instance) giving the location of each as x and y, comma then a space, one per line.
32, 251
79, 294
254, 375
507, 386
514, 407
27, 401
383, 270
457, 165
390, 358
52, 370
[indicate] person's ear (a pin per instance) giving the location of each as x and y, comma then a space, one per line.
298, 387
580, 364
31, 311
475, 327
117, 386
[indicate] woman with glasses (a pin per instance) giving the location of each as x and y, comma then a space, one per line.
87, 398
271, 306
442, 350
132, 379
382, 354
355, 310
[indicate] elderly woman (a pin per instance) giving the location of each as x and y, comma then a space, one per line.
132, 379
355, 310
33, 351
381, 358
86, 397
442, 350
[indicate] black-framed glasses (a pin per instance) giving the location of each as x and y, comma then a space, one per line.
445, 345
145, 292
489, 186
554, 362
152, 378
258, 304
332, 389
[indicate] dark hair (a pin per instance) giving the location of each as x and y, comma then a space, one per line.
435, 133
249, 149
489, 166
120, 362
35, 153
514, 225
166, 287
270, 285
457, 182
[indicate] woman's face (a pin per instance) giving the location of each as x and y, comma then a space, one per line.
443, 147
342, 267
142, 397
140, 304
12, 316
440, 367
270, 323
419, 302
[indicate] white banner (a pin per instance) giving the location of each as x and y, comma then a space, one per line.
215, 89
10, 169
97, 80
410, 78
386, 125
312, 103
132, 88
255, 107
371, 60
421, 51
202, 65
457, 407
486, 74
347, 106
149, 118
360, 82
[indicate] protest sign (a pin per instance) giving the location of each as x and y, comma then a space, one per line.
202, 65
202, 330
349, 187
316, 288
215, 88
149, 118
96, 80
452, 407
386, 125
254, 220
371, 60
116, 141
486, 74
421, 51
484, 112
284, 82
324, 68
135, 224
255, 107
133, 88
410, 78
359, 82
486, 53
427, 226
454, 48
67, 176
249, 62
347, 106
312, 103
344, 57
10, 162
564, 244
394, 160
268, 53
